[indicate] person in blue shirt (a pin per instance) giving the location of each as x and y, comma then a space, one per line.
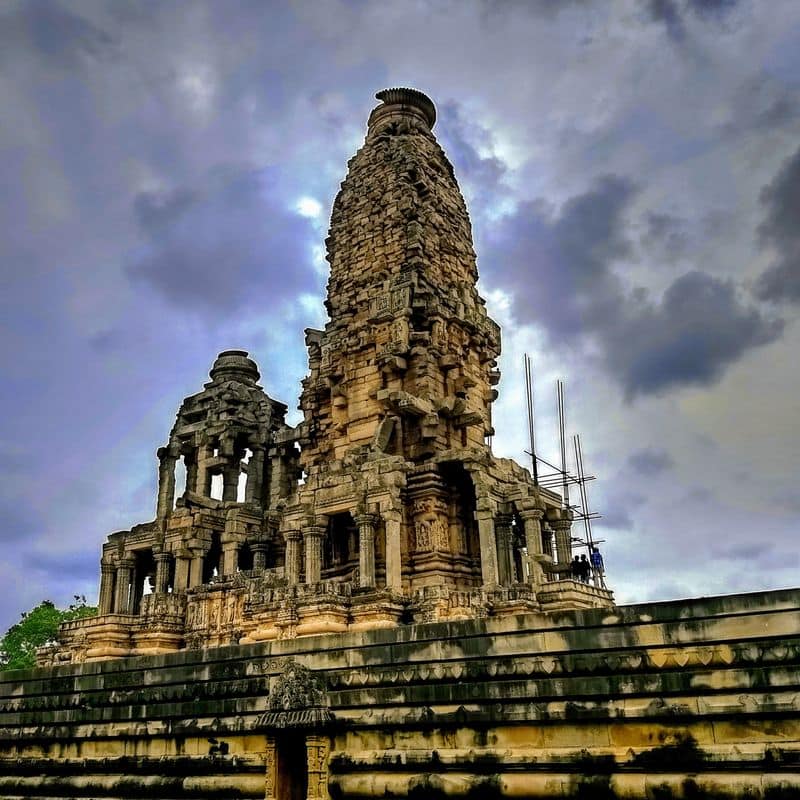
598, 568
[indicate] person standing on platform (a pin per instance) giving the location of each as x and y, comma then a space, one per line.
598, 568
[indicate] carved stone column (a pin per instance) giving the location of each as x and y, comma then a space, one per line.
163, 560
366, 549
271, 769
313, 536
230, 482
393, 521
230, 556
505, 557
563, 529
106, 599
166, 482
123, 590
196, 567
485, 520
202, 478
532, 520
259, 548
255, 476
182, 563
293, 557
317, 752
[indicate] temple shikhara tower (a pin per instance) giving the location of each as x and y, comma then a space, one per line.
371, 604
385, 505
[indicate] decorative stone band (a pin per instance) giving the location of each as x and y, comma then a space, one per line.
306, 718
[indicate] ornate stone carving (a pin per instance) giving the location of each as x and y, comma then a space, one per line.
298, 699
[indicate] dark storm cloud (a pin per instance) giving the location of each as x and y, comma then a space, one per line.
711, 9
560, 266
480, 176
698, 329
666, 233
617, 518
229, 244
757, 554
650, 463
673, 14
54, 33
762, 103
560, 270
668, 13
780, 232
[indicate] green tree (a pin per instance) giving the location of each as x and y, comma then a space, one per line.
37, 627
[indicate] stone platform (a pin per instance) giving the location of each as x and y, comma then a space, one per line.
686, 699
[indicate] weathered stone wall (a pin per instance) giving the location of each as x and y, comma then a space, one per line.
684, 699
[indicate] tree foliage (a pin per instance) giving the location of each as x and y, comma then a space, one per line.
36, 628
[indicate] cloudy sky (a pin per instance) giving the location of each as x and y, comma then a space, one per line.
633, 174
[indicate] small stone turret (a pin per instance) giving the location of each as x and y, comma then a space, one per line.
222, 435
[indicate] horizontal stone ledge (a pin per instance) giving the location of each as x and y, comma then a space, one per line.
240, 675
126, 696
139, 712
506, 674
133, 729
223, 785
520, 758
376, 707
180, 766
623, 666
577, 689
677, 784
652, 709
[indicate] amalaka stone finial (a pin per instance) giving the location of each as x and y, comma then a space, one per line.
402, 102
235, 364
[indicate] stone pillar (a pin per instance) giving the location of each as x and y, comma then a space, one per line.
313, 537
202, 479
139, 578
106, 598
166, 482
255, 476
163, 560
563, 529
366, 549
259, 549
393, 525
230, 556
532, 520
182, 564
485, 520
230, 482
196, 567
271, 769
505, 556
547, 541
293, 557
190, 460
317, 751
123, 590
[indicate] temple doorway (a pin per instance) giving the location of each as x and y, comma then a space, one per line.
291, 774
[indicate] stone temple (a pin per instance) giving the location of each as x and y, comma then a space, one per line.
403, 514
370, 603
